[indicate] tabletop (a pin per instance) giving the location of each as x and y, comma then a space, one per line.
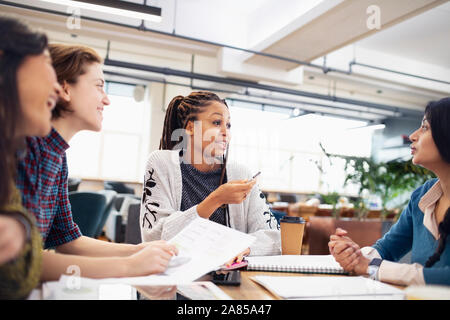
247, 290
250, 290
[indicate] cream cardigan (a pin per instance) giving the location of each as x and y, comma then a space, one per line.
161, 218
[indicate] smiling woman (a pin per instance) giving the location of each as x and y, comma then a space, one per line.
43, 179
190, 177
82, 98
28, 91
79, 71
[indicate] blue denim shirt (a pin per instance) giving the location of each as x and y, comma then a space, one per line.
410, 233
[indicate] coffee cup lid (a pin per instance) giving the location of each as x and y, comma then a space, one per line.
290, 219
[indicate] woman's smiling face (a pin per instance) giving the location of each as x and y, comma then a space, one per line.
214, 126
87, 98
38, 91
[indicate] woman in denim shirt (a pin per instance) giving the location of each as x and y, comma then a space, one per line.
423, 226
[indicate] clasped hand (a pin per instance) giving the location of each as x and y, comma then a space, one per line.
347, 253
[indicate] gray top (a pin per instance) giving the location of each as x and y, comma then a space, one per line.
162, 219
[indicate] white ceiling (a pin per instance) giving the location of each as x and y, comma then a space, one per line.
424, 38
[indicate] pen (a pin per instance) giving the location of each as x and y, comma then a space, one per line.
259, 172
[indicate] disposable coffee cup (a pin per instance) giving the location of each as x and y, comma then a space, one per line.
292, 229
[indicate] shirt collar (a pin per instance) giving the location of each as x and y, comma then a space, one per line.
56, 142
431, 197
427, 204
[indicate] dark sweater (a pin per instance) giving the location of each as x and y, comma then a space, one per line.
197, 185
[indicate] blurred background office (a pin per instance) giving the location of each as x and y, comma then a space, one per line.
322, 94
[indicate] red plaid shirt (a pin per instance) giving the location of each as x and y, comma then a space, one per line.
42, 180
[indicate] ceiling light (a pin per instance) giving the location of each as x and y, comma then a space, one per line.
376, 126
371, 126
120, 8
296, 112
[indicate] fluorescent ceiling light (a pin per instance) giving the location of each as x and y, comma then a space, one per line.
120, 8
374, 126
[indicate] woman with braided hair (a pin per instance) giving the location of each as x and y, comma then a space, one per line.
190, 177
423, 227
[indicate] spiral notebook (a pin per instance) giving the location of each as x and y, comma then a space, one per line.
295, 263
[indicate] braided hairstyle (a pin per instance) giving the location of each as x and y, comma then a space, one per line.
180, 111
438, 115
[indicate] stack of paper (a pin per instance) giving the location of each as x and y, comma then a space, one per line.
206, 245
320, 287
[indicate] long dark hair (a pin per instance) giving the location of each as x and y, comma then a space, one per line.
437, 114
17, 42
180, 111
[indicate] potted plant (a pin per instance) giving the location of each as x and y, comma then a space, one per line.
388, 180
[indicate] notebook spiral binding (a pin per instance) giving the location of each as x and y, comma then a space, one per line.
293, 268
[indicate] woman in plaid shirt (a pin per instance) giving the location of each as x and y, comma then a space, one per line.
43, 179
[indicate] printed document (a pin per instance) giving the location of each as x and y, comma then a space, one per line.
203, 247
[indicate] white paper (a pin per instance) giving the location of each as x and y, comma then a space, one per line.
86, 289
202, 290
208, 245
63, 289
35, 294
310, 287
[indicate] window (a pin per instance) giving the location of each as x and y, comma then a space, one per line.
287, 150
119, 151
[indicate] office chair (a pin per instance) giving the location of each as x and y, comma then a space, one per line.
73, 184
87, 210
118, 187
133, 230
110, 200
120, 200
289, 198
